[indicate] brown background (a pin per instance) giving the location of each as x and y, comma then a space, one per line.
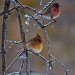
62, 36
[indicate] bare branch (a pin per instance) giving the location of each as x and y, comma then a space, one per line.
22, 34
44, 59
4, 34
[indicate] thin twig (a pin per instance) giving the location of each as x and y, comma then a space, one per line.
42, 57
20, 71
64, 67
48, 5
3, 12
49, 50
14, 60
50, 23
14, 42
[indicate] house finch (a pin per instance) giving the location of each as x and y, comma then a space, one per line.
35, 44
53, 11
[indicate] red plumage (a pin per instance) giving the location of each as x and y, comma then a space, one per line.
53, 11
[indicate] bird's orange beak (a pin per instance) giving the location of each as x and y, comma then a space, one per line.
41, 40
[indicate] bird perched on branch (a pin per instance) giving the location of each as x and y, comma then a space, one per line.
35, 44
53, 11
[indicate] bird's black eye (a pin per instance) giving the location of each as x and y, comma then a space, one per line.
38, 39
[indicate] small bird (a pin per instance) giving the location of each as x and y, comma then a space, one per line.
35, 44
53, 11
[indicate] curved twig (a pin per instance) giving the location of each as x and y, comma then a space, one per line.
64, 67
14, 60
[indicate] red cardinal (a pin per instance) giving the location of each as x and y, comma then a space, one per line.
53, 11
35, 44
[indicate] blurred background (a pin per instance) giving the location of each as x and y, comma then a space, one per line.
62, 37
